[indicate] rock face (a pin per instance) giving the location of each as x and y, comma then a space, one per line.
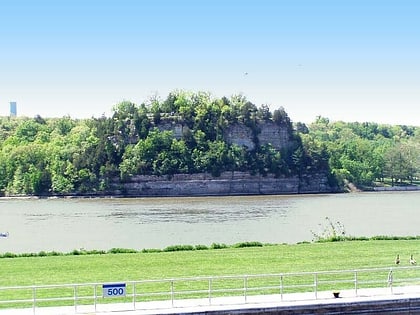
229, 183
277, 135
240, 135
268, 132
176, 128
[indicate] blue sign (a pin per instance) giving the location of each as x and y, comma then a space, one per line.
114, 290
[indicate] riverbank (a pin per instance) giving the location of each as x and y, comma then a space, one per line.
302, 257
213, 246
204, 184
398, 188
139, 192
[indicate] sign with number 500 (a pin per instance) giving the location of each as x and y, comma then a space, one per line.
113, 290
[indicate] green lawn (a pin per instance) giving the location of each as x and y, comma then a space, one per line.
230, 261
269, 259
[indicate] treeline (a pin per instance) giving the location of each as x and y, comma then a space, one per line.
59, 156
171, 248
365, 153
43, 156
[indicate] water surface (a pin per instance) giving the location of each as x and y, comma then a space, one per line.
67, 224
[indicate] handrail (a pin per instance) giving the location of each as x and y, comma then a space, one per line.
212, 287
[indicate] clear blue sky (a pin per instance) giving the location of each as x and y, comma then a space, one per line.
351, 60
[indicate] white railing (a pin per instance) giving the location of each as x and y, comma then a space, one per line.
241, 289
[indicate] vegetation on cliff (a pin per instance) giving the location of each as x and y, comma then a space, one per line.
187, 133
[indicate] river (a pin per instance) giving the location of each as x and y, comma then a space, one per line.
62, 225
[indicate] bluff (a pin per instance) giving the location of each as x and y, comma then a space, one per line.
227, 184
189, 144
279, 136
267, 132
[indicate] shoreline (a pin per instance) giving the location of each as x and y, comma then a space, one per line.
213, 246
398, 188
118, 196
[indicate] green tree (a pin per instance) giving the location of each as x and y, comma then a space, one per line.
26, 170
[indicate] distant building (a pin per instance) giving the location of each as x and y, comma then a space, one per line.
13, 109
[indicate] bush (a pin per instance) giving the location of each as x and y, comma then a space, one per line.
247, 244
176, 248
151, 250
8, 255
218, 246
331, 232
28, 255
122, 251
201, 247
394, 238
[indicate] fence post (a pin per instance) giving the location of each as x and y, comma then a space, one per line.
281, 287
210, 289
390, 280
316, 285
172, 292
95, 296
134, 296
245, 288
33, 299
355, 282
75, 298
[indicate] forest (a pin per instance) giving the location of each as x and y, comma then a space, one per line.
61, 156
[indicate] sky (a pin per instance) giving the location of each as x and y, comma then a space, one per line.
349, 60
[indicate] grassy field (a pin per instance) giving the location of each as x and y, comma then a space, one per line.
213, 262
269, 259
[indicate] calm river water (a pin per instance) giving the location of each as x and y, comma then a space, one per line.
66, 224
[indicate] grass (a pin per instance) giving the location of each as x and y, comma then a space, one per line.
231, 260
227, 261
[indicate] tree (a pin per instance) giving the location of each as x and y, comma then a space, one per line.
213, 160
401, 162
28, 130
148, 156
264, 113
26, 170
280, 117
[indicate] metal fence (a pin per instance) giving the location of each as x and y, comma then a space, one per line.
169, 293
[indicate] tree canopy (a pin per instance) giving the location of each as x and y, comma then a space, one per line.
186, 133
365, 153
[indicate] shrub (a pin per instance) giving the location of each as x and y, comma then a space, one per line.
122, 251
247, 244
331, 232
201, 247
176, 248
95, 252
151, 250
218, 246
8, 255
28, 255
